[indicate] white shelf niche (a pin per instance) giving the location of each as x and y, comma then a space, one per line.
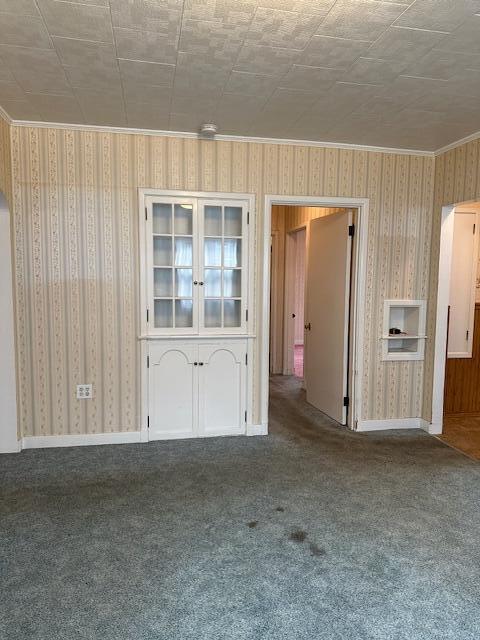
409, 316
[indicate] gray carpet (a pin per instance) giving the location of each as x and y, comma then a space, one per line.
311, 533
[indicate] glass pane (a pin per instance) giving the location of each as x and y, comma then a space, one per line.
233, 221
213, 252
163, 313
233, 253
213, 221
162, 283
231, 313
183, 313
213, 283
183, 283
183, 251
162, 218
162, 251
232, 283
183, 219
213, 313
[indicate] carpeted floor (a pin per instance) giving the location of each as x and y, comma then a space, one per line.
311, 533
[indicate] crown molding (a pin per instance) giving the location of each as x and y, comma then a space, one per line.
458, 143
5, 116
231, 138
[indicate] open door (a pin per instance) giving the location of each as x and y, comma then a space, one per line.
327, 309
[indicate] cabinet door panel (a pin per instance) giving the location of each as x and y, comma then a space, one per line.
222, 389
173, 397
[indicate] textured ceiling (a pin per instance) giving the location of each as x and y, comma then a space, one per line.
397, 74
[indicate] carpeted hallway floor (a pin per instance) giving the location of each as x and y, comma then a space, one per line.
312, 533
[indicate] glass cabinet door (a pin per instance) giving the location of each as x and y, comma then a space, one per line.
172, 238
223, 268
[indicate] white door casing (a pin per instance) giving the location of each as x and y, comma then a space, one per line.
8, 394
327, 314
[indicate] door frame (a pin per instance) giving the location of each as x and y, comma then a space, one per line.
9, 441
441, 319
289, 288
358, 291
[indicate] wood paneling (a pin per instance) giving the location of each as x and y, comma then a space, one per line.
462, 378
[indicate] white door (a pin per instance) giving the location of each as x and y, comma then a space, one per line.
462, 286
173, 391
326, 314
222, 372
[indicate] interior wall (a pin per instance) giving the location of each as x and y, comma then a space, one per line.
76, 257
277, 267
457, 180
300, 257
5, 161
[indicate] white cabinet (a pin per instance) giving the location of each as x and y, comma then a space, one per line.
172, 390
222, 388
195, 265
195, 287
196, 388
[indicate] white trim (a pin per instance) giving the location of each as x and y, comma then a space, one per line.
443, 293
457, 143
232, 138
391, 423
257, 429
8, 381
5, 116
235, 138
362, 205
83, 440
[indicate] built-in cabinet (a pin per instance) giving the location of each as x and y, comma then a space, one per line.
195, 299
197, 389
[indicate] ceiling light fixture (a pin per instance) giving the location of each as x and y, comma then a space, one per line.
208, 130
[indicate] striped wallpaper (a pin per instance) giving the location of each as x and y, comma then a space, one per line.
5, 164
76, 257
457, 179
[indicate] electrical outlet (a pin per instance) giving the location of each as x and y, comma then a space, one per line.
84, 391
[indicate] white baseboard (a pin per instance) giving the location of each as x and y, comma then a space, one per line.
81, 440
257, 429
432, 428
392, 423
10, 445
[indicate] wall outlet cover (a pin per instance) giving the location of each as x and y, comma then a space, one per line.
84, 391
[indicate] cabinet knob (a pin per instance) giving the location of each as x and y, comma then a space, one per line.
195, 282
201, 284
195, 364
201, 364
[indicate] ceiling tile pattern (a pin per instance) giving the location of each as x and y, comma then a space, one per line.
399, 73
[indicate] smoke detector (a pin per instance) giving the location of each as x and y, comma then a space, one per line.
208, 130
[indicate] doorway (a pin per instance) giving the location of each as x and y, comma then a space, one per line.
457, 389
331, 233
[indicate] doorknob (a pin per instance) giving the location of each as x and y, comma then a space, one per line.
308, 327
293, 315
